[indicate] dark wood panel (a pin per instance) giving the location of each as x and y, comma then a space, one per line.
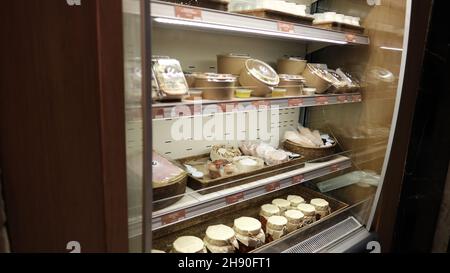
57, 138
111, 67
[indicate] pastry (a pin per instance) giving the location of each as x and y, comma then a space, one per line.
221, 168
164, 172
248, 163
223, 152
276, 157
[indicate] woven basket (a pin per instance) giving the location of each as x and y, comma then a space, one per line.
310, 154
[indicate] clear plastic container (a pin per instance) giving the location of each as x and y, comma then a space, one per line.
276, 5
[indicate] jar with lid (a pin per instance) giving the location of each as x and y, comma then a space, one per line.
295, 201
292, 83
267, 211
322, 207
188, 244
309, 213
249, 234
220, 239
260, 77
283, 204
295, 220
215, 86
276, 228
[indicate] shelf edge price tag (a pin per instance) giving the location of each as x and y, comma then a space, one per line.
295, 102
158, 113
273, 186
335, 168
357, 98
261, 105
188, 13
322, 100
286, 27
298, 179
173, 217
342, 99
350, 38
235, 198
229, 107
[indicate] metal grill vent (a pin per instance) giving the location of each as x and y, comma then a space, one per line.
326, 237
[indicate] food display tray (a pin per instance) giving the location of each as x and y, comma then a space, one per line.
163, 238
341, 27
279, 16
205, 186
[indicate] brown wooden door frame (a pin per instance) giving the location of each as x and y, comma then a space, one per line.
62, 125
390, 196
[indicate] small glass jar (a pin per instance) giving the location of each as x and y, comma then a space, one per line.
267, 211
282, 204
322, 208
295, 201
188, 244
309, 213
276, 228
249, 234
220, 239
295, 220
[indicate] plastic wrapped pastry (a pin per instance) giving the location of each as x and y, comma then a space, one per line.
165, 172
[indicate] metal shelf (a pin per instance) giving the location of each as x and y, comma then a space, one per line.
194, 204
169, 14
205, 107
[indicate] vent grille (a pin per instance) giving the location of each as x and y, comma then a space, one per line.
326, 237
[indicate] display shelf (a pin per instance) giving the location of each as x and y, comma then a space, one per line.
207, 107
194, 204
174, 15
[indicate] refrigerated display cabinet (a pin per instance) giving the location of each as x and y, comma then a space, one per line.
363, 120
82, 88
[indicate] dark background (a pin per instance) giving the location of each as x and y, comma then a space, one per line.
429, 148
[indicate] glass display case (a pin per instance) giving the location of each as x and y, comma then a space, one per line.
259, 126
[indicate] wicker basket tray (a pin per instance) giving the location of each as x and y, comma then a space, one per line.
319, 154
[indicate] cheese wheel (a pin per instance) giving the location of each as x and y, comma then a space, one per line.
269, 210
294, 216
306, 209
189, 244
320, 204
247, 226
248, 163
283, 204
277, 222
